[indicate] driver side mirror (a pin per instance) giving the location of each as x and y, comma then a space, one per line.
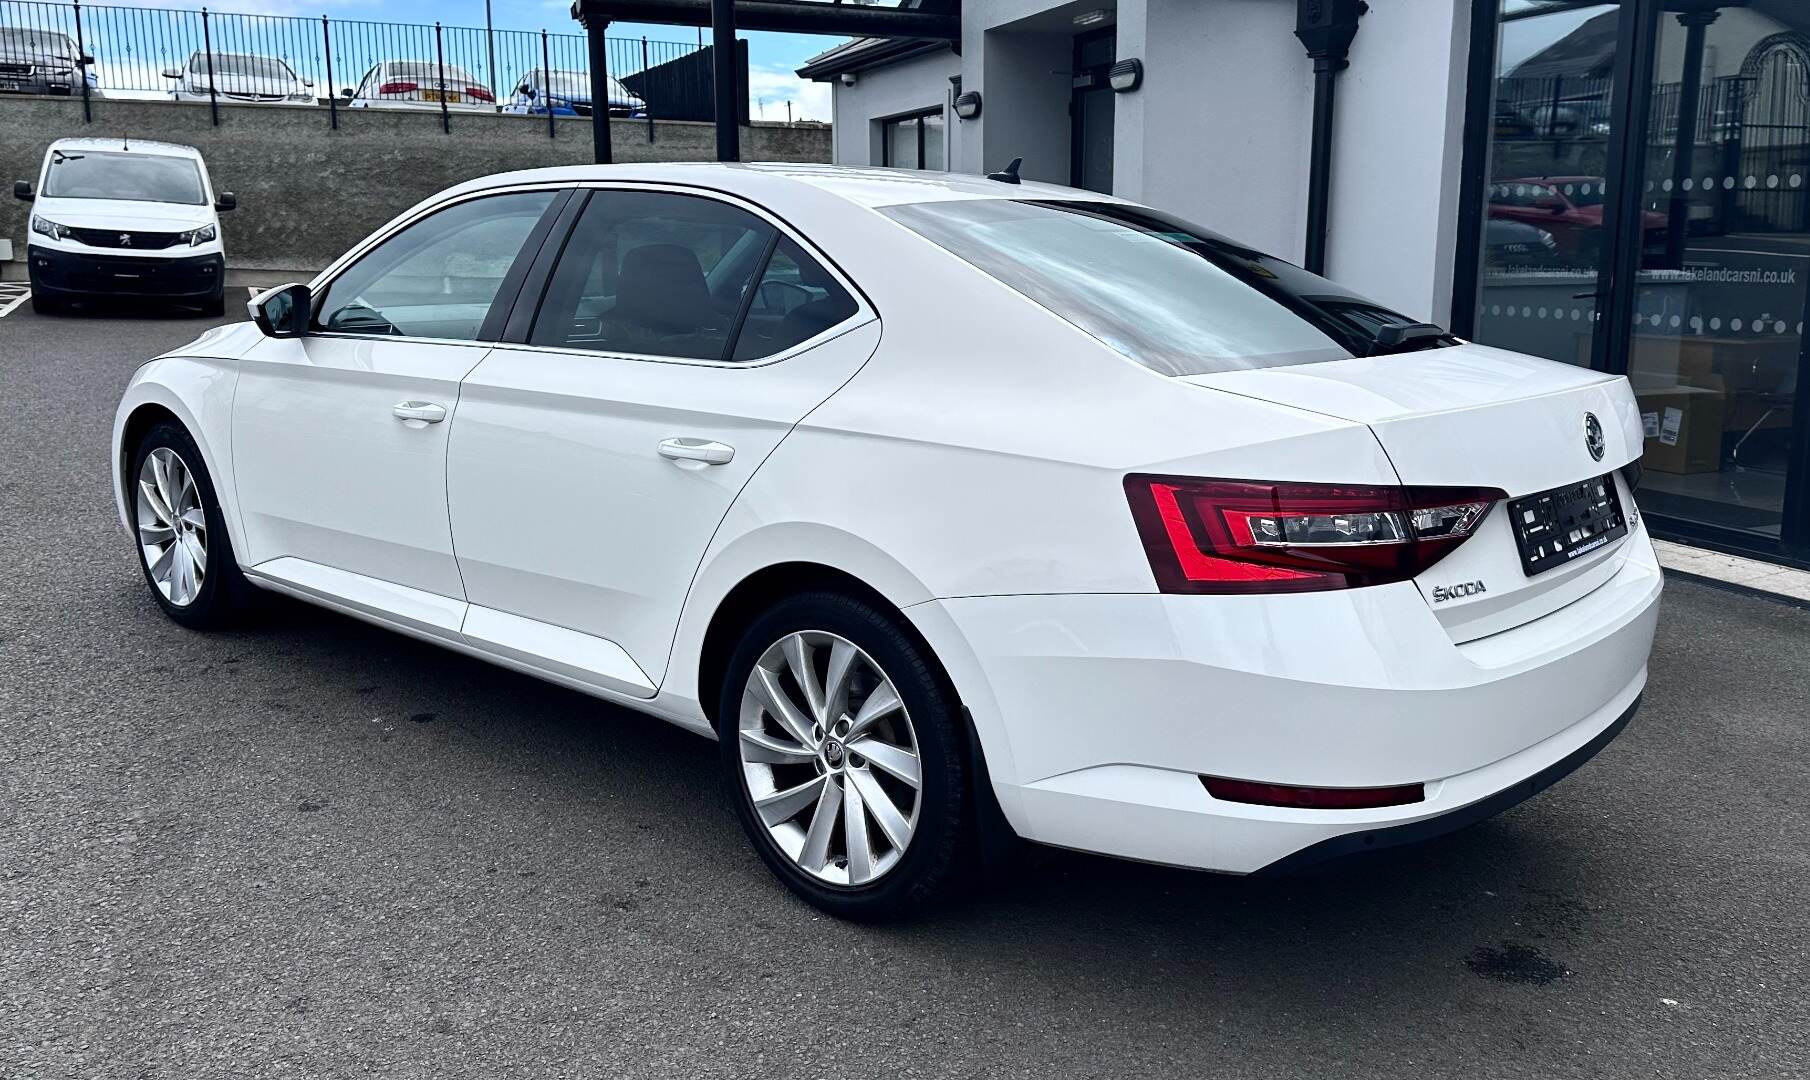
525, 90
346, 92
172, 73
225, 201
282, 312
22, 190
86, 60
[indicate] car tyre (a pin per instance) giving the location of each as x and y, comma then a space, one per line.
180, 533
793, 753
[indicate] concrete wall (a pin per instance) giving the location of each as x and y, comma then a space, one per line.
307, 193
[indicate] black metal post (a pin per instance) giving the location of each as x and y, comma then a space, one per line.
645, 107
332, 94
440, 74
1734, 135
1684, 149
213, 94
723, 57
598, 48
1326, 29
81, 66
490, 47
546, 80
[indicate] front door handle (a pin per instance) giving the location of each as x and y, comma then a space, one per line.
700, 450
418, 413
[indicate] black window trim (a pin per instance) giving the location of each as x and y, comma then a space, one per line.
491, 329
917, 118
533, 292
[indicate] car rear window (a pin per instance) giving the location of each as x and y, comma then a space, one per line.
97, 174
1172, 296
408, 69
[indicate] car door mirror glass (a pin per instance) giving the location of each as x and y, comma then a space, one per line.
346, 93
22, 190
282, 312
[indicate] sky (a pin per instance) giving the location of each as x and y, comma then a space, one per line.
773, 59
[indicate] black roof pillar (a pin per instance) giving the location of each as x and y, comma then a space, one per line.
723, 75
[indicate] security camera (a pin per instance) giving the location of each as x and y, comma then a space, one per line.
848, 78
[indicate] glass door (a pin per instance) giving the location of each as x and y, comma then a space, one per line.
1716, 351
1544, 250
1091, 112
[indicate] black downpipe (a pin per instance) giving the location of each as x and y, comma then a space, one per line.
723, 58
1326, 29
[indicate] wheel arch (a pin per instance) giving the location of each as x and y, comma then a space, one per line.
153, 396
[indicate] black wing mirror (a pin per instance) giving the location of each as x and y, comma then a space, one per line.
87, 60
225, 201
525, 90
22, 190
282, 312
346, 92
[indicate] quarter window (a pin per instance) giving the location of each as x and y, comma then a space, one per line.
796, 300
437, 278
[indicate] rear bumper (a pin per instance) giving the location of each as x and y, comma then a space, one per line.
1100, 714
83, 274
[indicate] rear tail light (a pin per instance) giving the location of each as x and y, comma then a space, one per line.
398, 88
478, 93
1308, 798
1245, 536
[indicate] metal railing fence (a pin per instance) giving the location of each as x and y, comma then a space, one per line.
150, 53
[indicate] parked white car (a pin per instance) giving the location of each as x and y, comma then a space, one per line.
420, 84
955, 509
112, 218
242, 78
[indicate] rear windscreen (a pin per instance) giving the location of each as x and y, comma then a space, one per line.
1176, 298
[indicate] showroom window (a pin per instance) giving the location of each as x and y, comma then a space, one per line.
913, 142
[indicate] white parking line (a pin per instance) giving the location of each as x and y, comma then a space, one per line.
11, 296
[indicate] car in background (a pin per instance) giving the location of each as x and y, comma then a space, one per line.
42, 62
1568, 207
124, 219
243, 78
568, 93
1515, 243
420, 84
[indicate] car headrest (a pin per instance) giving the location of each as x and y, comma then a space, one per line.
661, 288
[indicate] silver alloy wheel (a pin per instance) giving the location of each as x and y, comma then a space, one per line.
830, 758
172, 526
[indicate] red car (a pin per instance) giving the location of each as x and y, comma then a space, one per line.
1568, 207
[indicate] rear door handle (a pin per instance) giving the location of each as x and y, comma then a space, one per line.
418, 413
702, 450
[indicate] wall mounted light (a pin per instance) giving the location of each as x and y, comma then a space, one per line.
967, 106
1126, 75
1091, 18
848, 78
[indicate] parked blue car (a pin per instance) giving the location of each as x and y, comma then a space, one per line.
567, 93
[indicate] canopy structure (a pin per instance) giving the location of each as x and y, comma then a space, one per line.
923, 20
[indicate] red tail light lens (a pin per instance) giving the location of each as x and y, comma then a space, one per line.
1245, 536
478, 93
397, 88
1306, 798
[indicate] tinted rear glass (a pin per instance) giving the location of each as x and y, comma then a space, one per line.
1174, 297
96, 174
412, 70
257, 67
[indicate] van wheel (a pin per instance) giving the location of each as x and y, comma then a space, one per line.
842, 747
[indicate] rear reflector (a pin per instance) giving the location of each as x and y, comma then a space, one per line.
1307, 798
1244, 536
478, 93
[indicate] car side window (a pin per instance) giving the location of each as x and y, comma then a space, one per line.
796, 299
653, 273
438, 277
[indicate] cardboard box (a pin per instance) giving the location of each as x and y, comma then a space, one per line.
1683, 426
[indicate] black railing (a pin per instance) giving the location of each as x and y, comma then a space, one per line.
216, 58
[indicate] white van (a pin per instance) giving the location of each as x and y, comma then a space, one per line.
117, 218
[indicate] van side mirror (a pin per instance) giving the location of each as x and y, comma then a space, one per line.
525, 90
225, 201
282, 312
22, 190
86, 60
172, 73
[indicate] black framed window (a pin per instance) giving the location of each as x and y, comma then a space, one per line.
913, 142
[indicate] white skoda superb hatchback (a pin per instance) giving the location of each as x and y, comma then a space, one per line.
955, 510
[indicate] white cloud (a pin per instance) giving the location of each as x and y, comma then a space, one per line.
769, 88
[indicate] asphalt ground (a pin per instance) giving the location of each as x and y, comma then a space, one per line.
314, 848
